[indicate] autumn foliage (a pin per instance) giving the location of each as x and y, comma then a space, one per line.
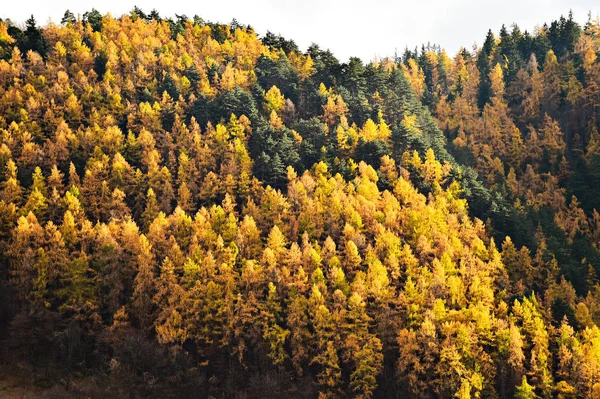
187, 209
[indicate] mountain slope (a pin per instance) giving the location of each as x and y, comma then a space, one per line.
187, 209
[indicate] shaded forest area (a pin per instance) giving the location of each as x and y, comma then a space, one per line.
188, 209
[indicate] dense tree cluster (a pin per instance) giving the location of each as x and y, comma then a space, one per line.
522, 111
187, 209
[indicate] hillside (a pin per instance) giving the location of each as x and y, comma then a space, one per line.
190, 209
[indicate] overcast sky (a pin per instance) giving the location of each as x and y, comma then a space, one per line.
367, 29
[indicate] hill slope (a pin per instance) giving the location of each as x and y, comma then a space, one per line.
188, 209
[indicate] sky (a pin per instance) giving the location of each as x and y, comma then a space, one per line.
366, 29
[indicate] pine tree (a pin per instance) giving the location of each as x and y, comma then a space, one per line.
144, 286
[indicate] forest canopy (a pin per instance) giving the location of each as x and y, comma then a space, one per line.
193, 209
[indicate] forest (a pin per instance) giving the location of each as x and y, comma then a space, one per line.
196, 209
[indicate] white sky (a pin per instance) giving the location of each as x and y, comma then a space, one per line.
367, 29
